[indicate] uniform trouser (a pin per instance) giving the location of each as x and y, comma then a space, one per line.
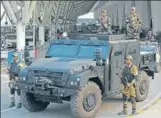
129, 92
13, 89
133, 31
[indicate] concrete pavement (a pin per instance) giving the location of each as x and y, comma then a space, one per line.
154, 111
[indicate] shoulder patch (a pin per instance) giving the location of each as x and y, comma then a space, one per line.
134, 70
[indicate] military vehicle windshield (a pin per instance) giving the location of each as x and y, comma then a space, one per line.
148, 48
76, 51
62, 50
86, 51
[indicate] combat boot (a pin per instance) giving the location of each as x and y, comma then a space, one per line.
124, 112
19, 105
133, 111
12, 104
133, 101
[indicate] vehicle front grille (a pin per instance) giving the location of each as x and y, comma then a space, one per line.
54, 76
37, 72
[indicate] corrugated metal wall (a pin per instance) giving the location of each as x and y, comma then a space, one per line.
156, 15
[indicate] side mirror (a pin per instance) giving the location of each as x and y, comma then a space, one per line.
98, 57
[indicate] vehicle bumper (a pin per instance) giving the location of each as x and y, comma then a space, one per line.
55, 91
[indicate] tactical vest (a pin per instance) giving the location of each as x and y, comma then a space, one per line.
129, 74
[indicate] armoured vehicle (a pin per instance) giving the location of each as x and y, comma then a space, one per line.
152, 47
83, 72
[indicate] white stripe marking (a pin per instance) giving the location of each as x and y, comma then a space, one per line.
8, 109
152, 101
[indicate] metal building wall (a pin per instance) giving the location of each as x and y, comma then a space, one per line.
156, 15
142, 9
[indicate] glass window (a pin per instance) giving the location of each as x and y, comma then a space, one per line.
89, 51
63, 50
118, 53
148, 48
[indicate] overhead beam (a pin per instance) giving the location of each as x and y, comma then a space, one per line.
62, 9
14, 6
69, 10
47, 12
84, 10
9, 11
32, 7
54, 7
3, 15
25, 12
85, 3
58, 12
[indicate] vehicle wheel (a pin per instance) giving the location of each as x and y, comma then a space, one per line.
87, 101
29, 102
142, 86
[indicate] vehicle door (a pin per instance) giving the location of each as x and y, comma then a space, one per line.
117, 62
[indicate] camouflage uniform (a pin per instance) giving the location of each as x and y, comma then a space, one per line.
133, 24
129, 75
106, 22
13, 75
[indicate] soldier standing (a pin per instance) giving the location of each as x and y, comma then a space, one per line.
150, 35
133, 23
15, 67
129, 75
105, 21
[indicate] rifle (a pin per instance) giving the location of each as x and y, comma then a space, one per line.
123, 78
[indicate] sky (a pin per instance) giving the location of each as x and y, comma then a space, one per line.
88, 15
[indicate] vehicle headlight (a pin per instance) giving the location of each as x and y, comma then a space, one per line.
76, 70
74, 82
23, 78
78, 79
71, 83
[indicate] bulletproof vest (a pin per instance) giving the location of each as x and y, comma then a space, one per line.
14, 69
127, 74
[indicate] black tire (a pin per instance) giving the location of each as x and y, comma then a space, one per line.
78, 106
142, 86
29, 102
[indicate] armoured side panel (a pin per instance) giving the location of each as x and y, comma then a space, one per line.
117, 63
